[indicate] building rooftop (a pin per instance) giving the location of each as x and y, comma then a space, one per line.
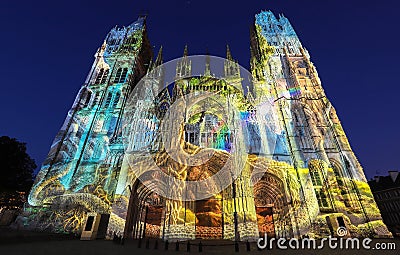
379, 183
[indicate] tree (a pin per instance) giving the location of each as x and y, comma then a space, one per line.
16, 166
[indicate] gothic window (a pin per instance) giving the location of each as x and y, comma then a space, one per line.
101, 76
347, 164
116, 100
96, 98
105, 75
322, 199
97, 151
108, 100
88, 97
338, 174
123, 76
203, 137
111, 125
120, 76
315, 177
215, 137
317, 180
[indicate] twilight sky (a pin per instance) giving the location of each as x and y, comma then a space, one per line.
48, 46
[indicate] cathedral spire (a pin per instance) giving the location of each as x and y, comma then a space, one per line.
159, 59
207, 71
184, 65
228, 53
231, 66
157, 62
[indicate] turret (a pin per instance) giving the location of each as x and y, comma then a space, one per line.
159, 59
231, 67
207, 71
184, 66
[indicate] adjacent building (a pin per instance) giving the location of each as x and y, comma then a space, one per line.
386, 190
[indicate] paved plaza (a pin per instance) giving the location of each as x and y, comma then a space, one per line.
26, 243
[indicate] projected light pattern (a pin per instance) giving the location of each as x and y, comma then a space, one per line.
295, 92
87, 152
299, 175
223, 139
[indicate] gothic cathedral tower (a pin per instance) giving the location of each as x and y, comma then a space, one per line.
312, 133
299, 176
86, 156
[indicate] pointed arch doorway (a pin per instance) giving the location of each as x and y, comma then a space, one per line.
146, 211
271, 208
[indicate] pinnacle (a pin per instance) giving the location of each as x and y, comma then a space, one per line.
228, 53
159, 59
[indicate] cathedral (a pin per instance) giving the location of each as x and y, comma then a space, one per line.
278, 160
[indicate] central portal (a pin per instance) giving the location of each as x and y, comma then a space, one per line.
265, 220
209, 219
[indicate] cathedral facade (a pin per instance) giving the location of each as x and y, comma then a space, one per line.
298, 176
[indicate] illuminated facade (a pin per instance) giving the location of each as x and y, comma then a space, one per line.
309, 181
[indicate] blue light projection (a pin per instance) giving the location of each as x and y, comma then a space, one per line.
299, 169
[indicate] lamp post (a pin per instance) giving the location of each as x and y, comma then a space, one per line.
145, 220
235, 219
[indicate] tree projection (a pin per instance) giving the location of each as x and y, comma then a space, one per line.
198, 147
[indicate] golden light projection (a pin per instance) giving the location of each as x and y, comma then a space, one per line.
198, 147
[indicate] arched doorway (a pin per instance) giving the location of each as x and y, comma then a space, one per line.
146, 210
271, 209
151, 217
209, 218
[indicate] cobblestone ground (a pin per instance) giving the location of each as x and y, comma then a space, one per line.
26, 243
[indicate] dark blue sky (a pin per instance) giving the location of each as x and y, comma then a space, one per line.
48, 46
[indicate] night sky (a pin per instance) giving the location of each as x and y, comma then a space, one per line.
48, 47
